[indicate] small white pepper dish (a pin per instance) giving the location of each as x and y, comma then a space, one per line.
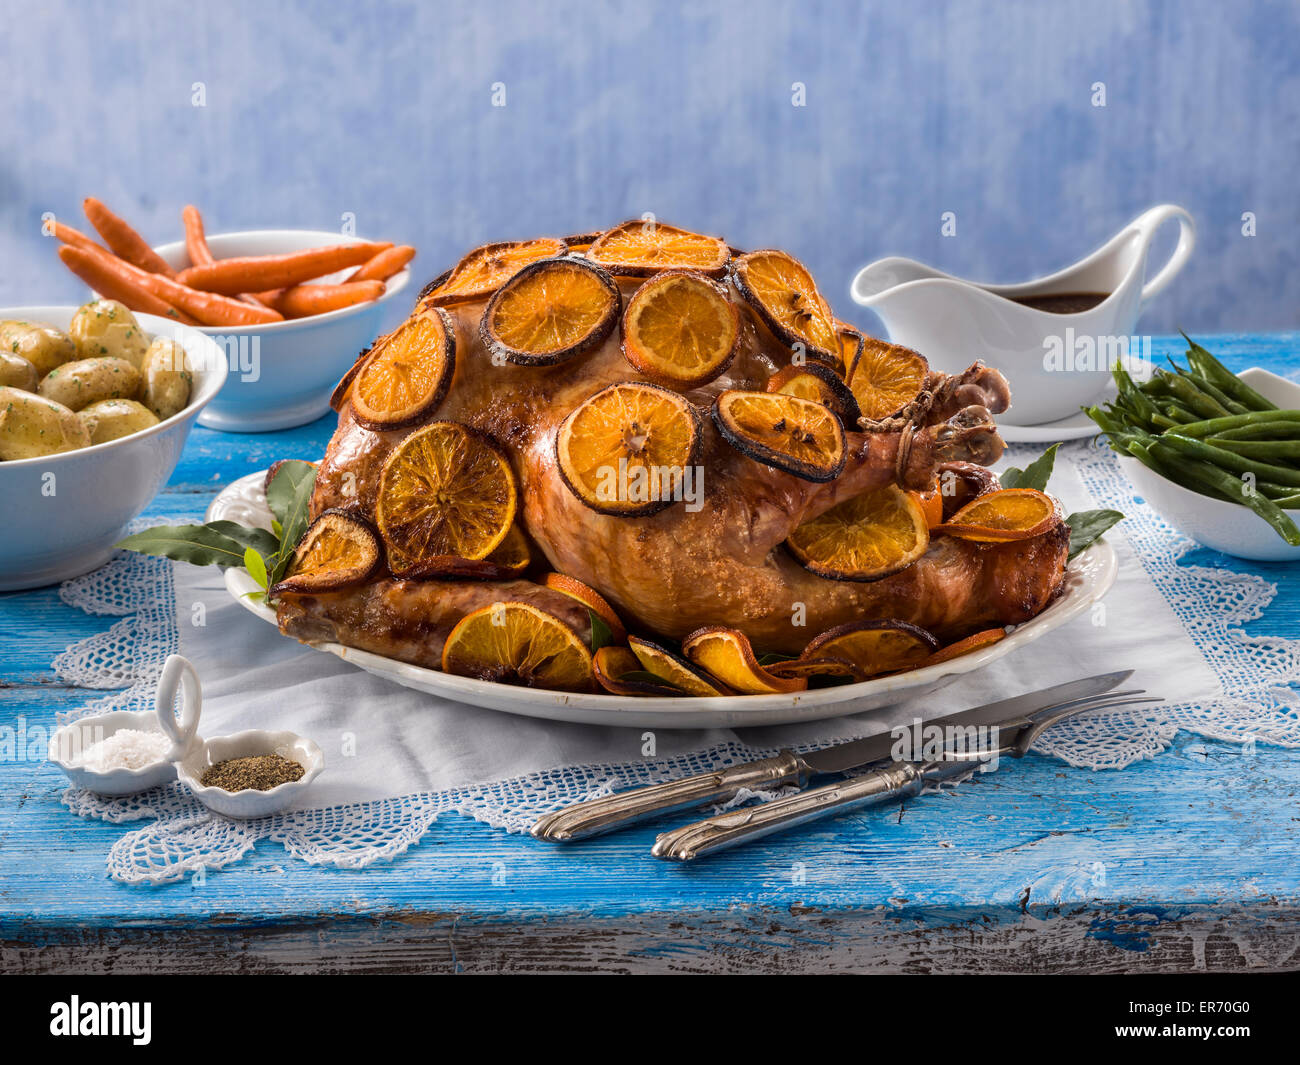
70, 744
250, 802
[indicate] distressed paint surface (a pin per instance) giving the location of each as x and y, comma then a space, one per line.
1191, 860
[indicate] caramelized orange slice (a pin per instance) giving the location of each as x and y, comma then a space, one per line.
486, 269
727, 655
340, 394
780, 288
407, 374
987, 638
817, 667
580, 242
817, 382
886, 378
516, 643
508, 559
642, 247
874, 647
680, 329
863, 538
676, 671
591, 599
338, 550
800, 436
931, 502
851, 341
1007, 514
628, 449
550, 311
444, 490
619, 673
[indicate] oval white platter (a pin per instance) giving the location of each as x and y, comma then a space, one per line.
1087, 579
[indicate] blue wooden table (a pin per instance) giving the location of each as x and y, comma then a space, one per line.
1188, 861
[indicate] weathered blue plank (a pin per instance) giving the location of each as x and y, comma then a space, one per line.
1200, 833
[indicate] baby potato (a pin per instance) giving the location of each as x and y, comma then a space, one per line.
17, 372
167, 378
42, 345
107, 329
112, 419
32, 426
78, 384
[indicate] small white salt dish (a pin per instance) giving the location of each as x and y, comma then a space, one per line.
199, 755
69, 744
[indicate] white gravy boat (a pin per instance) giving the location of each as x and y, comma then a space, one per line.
1056, 363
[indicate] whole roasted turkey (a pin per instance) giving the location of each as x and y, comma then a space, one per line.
677, 570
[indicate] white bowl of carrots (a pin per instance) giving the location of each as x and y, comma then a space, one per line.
291, 308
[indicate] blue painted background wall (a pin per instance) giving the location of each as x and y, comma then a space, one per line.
613, 109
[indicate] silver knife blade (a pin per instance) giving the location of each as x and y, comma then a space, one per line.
1005, 713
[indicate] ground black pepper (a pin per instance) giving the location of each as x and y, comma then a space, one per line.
260, 772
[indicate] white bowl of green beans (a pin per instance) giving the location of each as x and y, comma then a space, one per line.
1216, 454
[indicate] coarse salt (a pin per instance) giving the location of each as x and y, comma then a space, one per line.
128, 748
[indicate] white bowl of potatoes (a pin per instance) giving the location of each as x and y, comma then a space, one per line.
95, 406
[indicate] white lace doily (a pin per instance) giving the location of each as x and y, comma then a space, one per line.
1257, 703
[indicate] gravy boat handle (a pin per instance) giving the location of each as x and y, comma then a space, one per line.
1147, 224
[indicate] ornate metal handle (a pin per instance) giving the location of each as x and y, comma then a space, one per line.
740, 826
612, 812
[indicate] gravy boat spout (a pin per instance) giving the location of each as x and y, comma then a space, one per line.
1054, 338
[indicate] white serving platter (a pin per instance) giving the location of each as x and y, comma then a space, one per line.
1087, 579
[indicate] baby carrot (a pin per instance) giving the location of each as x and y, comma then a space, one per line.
97, 271
256, 273
124, 241
195, 241
208, 308
303, 300
77, 239
385, 264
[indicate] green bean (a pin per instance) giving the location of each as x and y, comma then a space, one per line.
1217, 426
1213, 477
1132, 396
1269, 450
1228, 460
1179, 413
1143, 453
1211, 368
1272, 430
1193, 398
1221, 398
1291, 502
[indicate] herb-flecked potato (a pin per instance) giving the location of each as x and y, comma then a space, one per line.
112, 419
17, 372
86, 381
107, 329
167, 378
42, 345
31, 426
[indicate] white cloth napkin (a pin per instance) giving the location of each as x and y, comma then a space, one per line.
383, 741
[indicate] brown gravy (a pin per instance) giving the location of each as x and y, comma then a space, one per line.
1064, 302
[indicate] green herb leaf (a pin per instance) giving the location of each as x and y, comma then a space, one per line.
773, 657
1087, 525
601, 634
289, 495
256, 566
1035, 475
196, 544
261, 541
